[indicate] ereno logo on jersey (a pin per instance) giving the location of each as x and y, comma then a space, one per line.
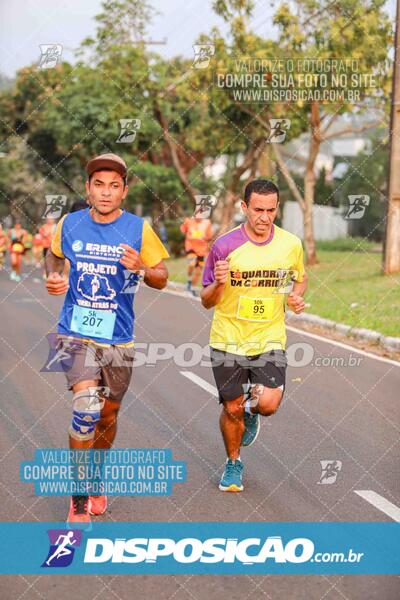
108, 250
95, 287
111, 252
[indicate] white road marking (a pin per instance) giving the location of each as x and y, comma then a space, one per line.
312, 335
182, 294
211, 389
346, 346
390, 509
370, 496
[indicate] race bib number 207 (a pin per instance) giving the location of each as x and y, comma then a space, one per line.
94, 323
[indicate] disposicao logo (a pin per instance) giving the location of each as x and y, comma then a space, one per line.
62, 547
248, 551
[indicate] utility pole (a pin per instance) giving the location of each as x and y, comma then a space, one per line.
391, 259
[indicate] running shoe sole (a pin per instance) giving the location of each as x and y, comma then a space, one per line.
231, 488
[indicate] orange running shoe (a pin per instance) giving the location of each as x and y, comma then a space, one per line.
97, 505
79, 510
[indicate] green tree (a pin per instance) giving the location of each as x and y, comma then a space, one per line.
367, 175
22, 188
356, 29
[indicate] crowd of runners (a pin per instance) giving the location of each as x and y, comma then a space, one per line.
25, 248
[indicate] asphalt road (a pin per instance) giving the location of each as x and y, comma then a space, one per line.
345, 413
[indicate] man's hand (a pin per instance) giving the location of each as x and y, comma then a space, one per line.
296, 303
131, 259
221, 271
56, 284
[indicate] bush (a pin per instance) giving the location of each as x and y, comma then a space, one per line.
175, 238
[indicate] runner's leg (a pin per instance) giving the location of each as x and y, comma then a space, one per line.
197, 271
18, 265
230, 374
190, 269
79, 504
13, 260
232, 426
73, 442
116, 373
106, 428
268, 402
269, 374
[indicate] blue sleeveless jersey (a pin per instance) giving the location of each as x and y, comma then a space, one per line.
99, 302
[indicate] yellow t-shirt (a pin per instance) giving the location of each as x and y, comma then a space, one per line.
250, 318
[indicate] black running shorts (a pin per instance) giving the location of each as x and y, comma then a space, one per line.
232, 372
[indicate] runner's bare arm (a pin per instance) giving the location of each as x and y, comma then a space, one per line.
295, 299
56, 282
301, 287
53, 263
155, 277
211, 294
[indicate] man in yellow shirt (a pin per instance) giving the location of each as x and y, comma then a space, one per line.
249, 273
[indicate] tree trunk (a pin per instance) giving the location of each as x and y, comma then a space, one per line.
266, 167
173, 149
309, 241
228, 210
309, 185
250, 161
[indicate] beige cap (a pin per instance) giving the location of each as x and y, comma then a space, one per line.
107, 161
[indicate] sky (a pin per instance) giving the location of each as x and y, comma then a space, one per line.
25, 24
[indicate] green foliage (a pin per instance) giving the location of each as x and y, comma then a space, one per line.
155, 187
175, 238
22, 189
353, 29
349, 244
121, 23
65, 115
324, 190
367, 174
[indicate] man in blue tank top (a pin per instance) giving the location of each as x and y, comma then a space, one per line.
109, 250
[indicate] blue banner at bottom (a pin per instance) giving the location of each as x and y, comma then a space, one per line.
201, 548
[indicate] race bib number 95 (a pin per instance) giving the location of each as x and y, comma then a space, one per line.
255, 309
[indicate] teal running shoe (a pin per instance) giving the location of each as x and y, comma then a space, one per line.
231, 480
252, 428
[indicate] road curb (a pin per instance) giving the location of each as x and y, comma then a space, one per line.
359, 333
